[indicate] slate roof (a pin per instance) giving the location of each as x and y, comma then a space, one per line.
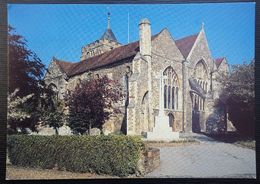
108, 35
107, 58
218, 61
185, 44
118, 54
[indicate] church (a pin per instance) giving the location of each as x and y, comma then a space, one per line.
189, 84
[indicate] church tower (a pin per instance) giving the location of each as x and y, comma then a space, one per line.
107, 42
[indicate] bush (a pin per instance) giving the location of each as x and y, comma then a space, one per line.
113, 154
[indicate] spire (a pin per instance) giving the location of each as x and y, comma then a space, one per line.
108, 20
202, 25
108, 34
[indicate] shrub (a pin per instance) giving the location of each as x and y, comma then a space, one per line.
113, 154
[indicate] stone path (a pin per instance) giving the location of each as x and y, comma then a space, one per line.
209, 159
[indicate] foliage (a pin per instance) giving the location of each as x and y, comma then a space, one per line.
25, 67
113, 154
92, 102
15, 111
52, 108
239, 96
54, 116
25, 72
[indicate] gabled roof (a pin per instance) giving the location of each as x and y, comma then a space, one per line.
108, 35
218, 61
65, 66
185, 44
107, 58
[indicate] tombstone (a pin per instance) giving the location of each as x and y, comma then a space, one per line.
95, 131
46, 131
65, 130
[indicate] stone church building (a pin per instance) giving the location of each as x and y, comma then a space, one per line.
190, 87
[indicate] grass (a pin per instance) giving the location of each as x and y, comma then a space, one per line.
248, 144
234, 138
20, 173
173, 143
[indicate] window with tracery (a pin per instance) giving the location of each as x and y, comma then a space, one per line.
170, 89
200, 75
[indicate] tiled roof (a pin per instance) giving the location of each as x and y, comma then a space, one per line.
108, 35
218, 61
185, 44
110, 57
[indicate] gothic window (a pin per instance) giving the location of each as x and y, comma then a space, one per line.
200, 103
173, 98
201, 74
165, 96
169, 96
170, 86
171, 120
177, 91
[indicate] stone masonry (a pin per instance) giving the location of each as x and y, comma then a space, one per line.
190, 84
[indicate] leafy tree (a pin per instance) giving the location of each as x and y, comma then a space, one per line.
54, 116
16, 113
92, 102
25, 72
239, 96
25, 67
52, 109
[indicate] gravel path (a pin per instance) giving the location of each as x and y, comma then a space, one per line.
210, 158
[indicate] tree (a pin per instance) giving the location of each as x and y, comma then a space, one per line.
25, 72
25, 67
92, 102
16, 113
52, 110
239, 96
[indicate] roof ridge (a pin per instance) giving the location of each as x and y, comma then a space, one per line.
185, 37
186, 44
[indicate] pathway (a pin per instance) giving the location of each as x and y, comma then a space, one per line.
209, 159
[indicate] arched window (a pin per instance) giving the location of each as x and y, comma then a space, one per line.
170, 84
165, 96
171, 120
169, 96
173, 101
177, 91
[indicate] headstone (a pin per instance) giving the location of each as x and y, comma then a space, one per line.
95, 131
65, 130
46, 131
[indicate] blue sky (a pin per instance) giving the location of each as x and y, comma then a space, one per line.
61, 30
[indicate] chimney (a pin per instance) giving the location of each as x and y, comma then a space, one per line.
145, 38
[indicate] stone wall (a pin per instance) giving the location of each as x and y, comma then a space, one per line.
164, 54
200, 51
56, 77
98, 47
149, 161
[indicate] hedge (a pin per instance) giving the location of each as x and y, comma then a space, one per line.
113, 154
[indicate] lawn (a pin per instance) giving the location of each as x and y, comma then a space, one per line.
181, 142
234, 138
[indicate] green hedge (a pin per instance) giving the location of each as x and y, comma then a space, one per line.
113, 154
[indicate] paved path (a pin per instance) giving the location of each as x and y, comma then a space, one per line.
208, 159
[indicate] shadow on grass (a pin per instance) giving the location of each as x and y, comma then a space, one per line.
234, 138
